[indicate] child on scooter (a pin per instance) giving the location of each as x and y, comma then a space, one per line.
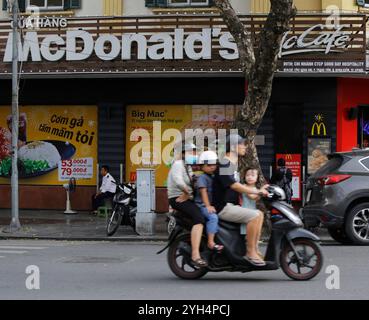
252, 179
208, 161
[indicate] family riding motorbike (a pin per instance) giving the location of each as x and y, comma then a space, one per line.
124, 208
293, 249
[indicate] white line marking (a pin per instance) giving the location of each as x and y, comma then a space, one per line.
22, 248
12, 252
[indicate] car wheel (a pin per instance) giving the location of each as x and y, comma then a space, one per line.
339, 235
357, 224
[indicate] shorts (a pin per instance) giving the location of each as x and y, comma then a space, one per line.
237, 214
190, 209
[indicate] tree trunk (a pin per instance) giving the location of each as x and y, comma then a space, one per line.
259, 65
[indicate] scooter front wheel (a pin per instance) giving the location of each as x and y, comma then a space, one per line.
114, 221
179, 259
309, 263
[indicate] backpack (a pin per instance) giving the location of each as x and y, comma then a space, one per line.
193, 180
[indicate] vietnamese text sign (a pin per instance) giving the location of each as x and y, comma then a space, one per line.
49, 135
81, 168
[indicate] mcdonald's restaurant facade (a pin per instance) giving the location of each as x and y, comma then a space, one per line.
88, 82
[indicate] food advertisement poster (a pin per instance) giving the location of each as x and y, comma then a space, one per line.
318, 151
179, 117
55, 143
293, 162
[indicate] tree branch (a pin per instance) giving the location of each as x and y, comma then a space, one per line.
240, 34
259, 67
262, 75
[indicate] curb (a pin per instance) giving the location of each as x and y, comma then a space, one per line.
162, 238
106, 239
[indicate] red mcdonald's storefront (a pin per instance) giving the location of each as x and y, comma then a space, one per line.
352, 113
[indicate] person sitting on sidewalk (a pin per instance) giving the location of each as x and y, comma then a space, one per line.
107, 189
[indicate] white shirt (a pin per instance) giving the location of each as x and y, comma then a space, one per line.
108, 184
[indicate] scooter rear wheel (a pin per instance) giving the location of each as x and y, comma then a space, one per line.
312, 260
179, 261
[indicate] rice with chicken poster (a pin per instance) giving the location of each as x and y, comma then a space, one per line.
140, 122
55, 143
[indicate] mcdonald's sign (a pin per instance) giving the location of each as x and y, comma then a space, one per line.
319, 129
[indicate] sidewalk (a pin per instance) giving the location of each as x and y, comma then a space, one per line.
56, 225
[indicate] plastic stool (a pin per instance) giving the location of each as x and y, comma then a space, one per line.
102, 212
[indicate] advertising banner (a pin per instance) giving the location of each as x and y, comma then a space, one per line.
55, 143
293, 162
167, 118
318, 151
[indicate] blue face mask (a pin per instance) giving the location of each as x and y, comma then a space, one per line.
191, 159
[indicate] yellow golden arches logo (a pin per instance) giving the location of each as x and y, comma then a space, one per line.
289, 157
318, 128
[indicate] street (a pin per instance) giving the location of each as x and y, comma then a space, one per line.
118, 270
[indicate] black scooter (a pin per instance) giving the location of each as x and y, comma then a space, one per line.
124, 208
290, 247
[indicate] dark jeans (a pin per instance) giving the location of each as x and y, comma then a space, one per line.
190, 209
100, 199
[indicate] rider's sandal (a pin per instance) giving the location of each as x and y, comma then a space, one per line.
255, 262
217, 248
261, 255
199, 263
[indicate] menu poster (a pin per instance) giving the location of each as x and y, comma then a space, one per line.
55, 143
318, 151
216, 113
200, 113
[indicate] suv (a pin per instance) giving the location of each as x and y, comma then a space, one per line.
337, 196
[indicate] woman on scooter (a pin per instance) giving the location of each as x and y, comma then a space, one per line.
180, 194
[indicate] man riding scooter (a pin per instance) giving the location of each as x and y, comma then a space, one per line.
290, 247
227, 191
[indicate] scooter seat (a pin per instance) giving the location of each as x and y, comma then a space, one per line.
229, 225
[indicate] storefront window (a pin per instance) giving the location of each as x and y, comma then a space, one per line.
363, 3
47, 4
363, 127
188, 2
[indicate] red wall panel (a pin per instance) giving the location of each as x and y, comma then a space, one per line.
350, 93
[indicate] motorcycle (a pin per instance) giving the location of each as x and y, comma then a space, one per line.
293, 249
124, 208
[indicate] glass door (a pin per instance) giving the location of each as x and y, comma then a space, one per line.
363, 127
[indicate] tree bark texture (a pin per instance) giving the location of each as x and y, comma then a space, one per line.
259, 63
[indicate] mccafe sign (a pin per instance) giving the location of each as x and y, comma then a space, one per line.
80, 45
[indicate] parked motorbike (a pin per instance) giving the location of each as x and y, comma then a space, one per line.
293, 249
124, 208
